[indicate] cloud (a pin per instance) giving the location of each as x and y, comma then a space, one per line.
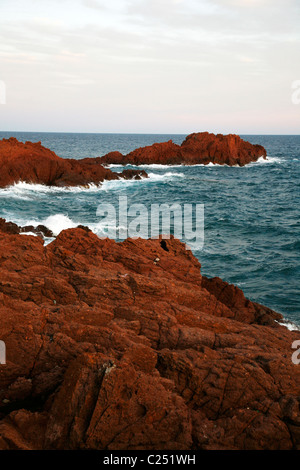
98, 5
177, 58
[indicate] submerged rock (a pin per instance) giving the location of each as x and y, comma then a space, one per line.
108, 350
197, 148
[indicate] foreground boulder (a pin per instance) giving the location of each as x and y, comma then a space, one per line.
198, 148
33, 163
126, 346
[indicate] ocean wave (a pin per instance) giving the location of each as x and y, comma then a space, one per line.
261, 160
264, 161
154, 166
26, 191
152, 178
160, 166
59, 222
56, 223
289, 325
159, 177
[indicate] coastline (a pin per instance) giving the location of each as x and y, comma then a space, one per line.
108, 339
163, 338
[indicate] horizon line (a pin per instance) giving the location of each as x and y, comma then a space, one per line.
143, 133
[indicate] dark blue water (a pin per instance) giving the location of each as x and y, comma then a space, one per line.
251, 213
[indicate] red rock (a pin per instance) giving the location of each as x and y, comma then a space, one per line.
197, 148
107, 348
10, 227
33, 163
222, 149
133, 174
243, 308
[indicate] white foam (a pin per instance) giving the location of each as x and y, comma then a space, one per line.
152, 177
28, 233
56, 223
59, 222
217, 164
159, 166
153, 166
260, 160
263, 160
21, 186
27, 191
290, 326
168, 175
14, 193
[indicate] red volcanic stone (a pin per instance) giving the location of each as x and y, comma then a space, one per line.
10, 227
33, 163
222, 149
133, 174
198, 148
243, 308
108, 348
166, 153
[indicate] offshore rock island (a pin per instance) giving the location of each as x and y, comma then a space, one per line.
33, 163
127, 346
198, 148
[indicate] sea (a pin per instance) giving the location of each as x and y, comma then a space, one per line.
251, 213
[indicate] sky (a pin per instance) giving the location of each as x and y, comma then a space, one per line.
150, 66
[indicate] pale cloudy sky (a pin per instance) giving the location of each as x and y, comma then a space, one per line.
154, 66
